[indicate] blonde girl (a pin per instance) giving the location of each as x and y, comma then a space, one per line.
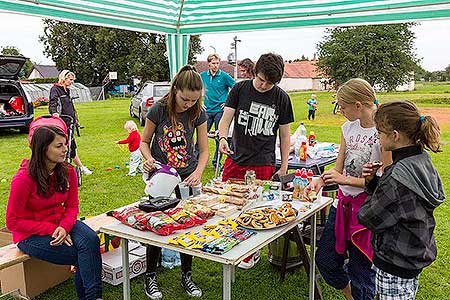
134, 141
169, 138
343, 234
399, 211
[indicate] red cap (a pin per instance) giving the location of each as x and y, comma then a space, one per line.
298, 172
310, 173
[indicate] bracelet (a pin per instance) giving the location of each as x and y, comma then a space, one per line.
222, 137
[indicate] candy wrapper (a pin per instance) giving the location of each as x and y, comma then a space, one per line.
184, 217
162, 224
133, 217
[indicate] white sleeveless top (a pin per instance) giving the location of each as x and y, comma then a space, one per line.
362, 146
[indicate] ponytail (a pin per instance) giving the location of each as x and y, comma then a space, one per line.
429, 134
404, 117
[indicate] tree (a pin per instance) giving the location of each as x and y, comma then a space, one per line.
303, 58
382, 54
27, 67
91, 52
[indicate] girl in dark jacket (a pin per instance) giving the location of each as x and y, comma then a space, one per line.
400, 209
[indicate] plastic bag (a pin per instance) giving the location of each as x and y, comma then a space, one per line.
170, 258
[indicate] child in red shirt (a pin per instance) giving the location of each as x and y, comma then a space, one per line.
133, 140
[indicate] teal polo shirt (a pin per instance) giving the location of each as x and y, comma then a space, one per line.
216, 89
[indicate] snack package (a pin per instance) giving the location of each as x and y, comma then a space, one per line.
162, 224
133, 217
184, 217
201, 211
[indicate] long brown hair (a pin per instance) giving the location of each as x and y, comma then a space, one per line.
186, 79
404, 117
37, 166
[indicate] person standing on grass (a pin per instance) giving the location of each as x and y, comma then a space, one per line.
42, 212
168, 138
260, 110
217, 84
342, 233
399, 210
312, 107
60, 103
134, 141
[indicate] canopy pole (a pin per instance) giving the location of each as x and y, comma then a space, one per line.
177, 51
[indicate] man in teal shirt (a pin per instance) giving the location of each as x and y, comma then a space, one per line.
217, 83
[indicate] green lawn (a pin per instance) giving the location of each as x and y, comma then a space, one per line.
106, 190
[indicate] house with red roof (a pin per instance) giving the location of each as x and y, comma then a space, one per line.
298, 76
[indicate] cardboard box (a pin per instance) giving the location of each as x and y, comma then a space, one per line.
112, 263
32, 277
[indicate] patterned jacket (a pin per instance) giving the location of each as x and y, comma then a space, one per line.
400, 213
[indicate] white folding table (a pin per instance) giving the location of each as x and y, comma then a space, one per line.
229, 259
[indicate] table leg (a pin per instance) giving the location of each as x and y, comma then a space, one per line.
312, 269
126, 270
227, 279
233, 274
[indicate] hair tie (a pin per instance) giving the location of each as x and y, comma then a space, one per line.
376, 102
422, 119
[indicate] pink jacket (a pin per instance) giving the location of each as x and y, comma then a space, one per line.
347, 227
29, 214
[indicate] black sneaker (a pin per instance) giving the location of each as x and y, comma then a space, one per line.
189, 286
151, 287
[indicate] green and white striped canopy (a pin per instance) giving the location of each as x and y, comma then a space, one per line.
186, 17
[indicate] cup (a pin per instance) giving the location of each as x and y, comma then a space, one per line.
197, 189
184, 190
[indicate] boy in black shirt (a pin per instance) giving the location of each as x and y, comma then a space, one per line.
260, 109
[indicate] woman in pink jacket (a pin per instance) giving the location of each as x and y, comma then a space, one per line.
42, 212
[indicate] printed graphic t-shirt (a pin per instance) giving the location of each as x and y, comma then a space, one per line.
174, 146
362, 146
256, 121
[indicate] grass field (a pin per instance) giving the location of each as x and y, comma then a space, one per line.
106, 190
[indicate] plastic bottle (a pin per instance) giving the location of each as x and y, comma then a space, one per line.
300, 136
311, 138
303, 182
296, 182
310, 174
303, 149
302, 131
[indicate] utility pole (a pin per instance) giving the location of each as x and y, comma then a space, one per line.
234, 46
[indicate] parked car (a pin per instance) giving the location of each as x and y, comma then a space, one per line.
16, 110
147, 95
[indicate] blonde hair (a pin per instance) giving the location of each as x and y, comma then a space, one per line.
404, 117
64, 75
213, 56
357, 90
130, 125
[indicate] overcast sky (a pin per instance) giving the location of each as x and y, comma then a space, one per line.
432, 41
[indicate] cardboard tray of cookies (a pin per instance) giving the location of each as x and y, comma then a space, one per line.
267, 217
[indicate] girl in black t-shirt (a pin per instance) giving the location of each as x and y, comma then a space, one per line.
169, 131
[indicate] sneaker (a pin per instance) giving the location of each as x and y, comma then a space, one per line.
132, 175
250, 261
85, 171
189, 286
151, 287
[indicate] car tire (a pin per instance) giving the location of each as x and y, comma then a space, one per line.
131, 111
141, 118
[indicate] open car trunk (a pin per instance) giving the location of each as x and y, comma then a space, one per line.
13, 104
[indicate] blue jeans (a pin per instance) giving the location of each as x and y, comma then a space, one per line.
84, 254
358, 271
214, 118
